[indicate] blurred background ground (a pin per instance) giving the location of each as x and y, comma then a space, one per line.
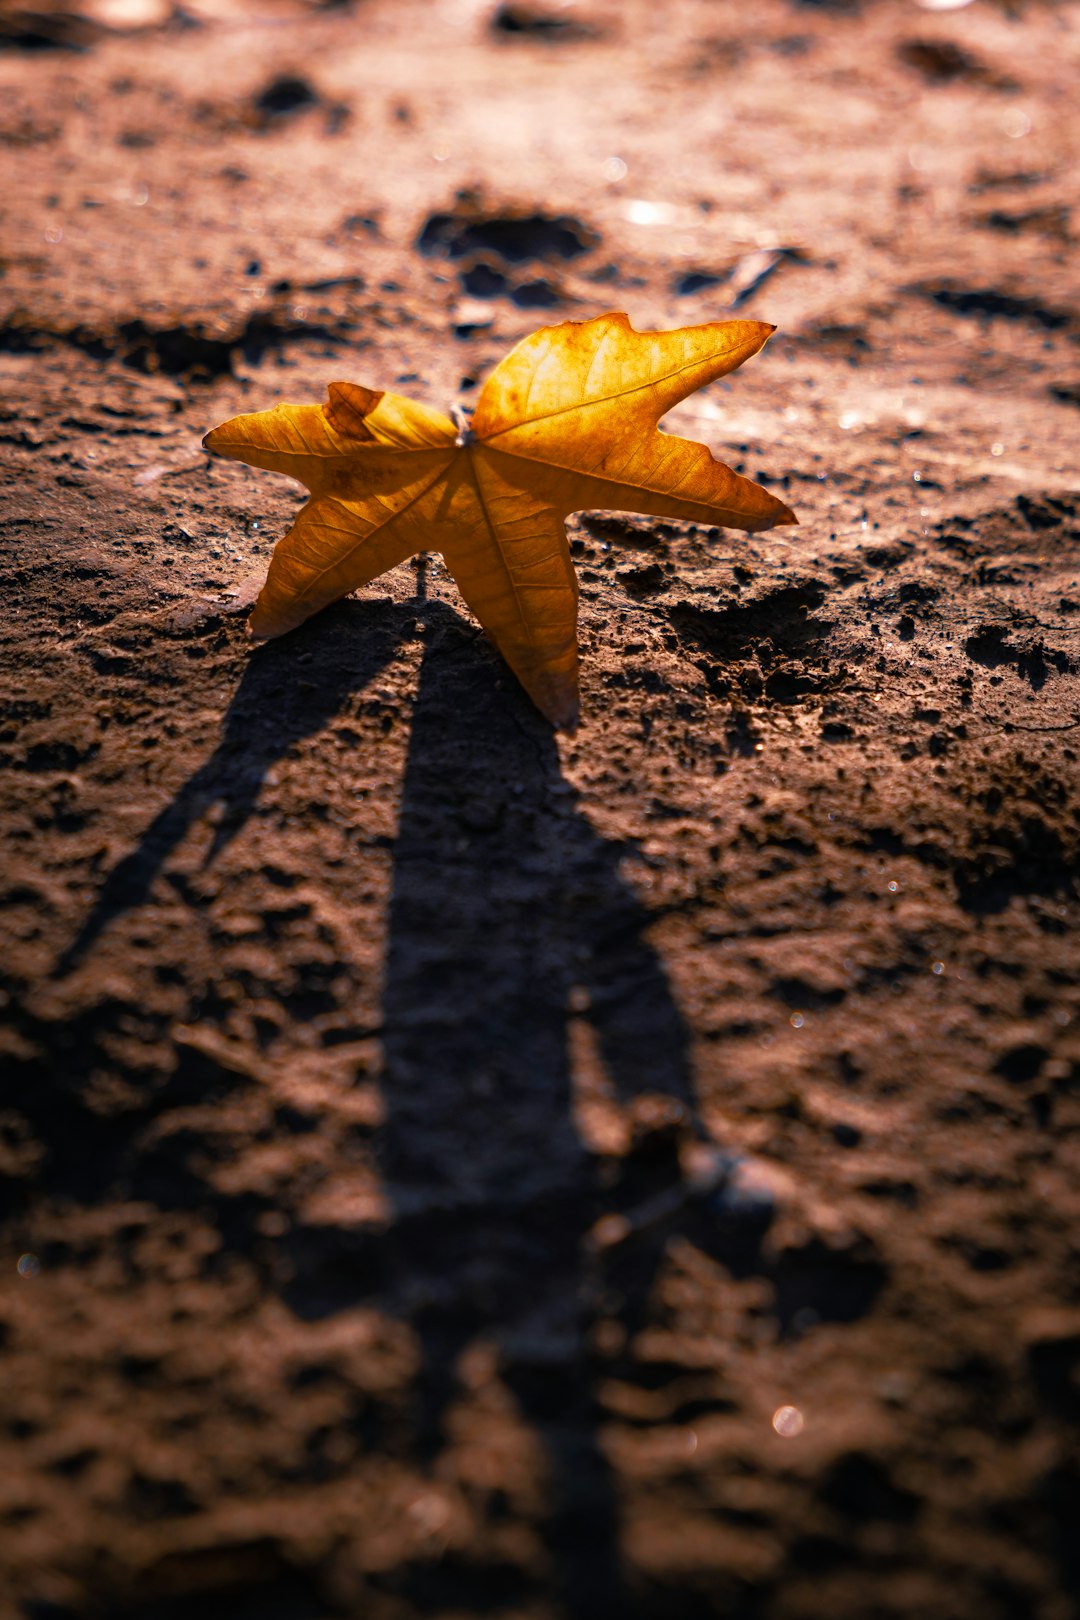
450, 1170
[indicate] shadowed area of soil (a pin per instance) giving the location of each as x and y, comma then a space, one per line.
447, 1169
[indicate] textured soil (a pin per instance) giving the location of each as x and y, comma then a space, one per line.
450, 1170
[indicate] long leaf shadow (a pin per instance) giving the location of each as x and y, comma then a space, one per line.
273, 708
508, 917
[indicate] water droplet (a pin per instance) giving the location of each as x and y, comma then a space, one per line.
917, 478
938, 968
28, 1265
1016, 123
639, 211
609, 1231
893, 887
997, 449
788, 1422
796, 1020
53, 235
614, 169
429, 1511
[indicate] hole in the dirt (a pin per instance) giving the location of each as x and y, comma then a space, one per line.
537, 294
227, 1582
839, 8
643, 581
482, 280
1021, 1062
1053, 220
840, 1285
537, 22
797, 992
861, 1487
991, 301
940, 60
284, 96
514, 238
360, 224
741, 735
789, 685
47, 29
1014, 858
457, 1582
179, 351
1045, 513
989, 645
737, 631
695, 281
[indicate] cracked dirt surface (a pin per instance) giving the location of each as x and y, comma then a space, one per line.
451, 1170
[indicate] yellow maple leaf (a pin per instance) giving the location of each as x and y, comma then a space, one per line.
568, 421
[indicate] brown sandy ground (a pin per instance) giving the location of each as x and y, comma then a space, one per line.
434, 1152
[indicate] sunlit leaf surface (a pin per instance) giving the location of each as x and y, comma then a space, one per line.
568, 421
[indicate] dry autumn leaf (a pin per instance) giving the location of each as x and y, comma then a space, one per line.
568, 421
